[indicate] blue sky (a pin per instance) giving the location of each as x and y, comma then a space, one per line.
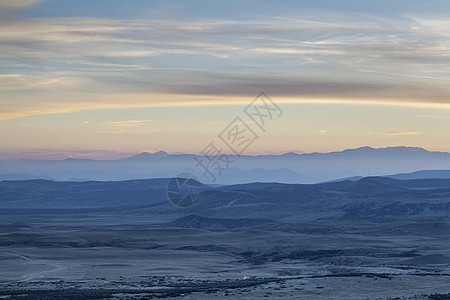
103, 63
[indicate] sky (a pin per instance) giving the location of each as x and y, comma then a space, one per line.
109, 78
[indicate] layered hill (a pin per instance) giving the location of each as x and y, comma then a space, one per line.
367, 198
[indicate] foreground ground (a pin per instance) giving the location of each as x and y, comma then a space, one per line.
310, 260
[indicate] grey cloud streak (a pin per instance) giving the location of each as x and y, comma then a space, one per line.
404, 59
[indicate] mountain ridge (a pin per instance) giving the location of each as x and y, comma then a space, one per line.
369, 198
359, 150
287, 168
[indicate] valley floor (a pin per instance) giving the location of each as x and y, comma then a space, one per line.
311, 260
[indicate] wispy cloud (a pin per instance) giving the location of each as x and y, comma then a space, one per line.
6, 5
44, 82
124, 131
401, 133
400, 59
129, 123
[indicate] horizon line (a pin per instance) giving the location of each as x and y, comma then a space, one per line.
59, 155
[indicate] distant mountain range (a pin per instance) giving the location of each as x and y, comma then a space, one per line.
287, 168
423, 174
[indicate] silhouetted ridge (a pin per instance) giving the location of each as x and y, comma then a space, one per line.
146, 155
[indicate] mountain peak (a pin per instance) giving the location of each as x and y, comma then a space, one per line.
407, 148
160, 153
144, 155
393, 149
290, 154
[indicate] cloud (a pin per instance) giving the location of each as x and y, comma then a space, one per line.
55, 64
129, 123
7, 5
323, 131
401, 133
124, 131
101, 66
45, 82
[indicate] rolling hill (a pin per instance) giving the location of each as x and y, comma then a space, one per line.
368, 198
